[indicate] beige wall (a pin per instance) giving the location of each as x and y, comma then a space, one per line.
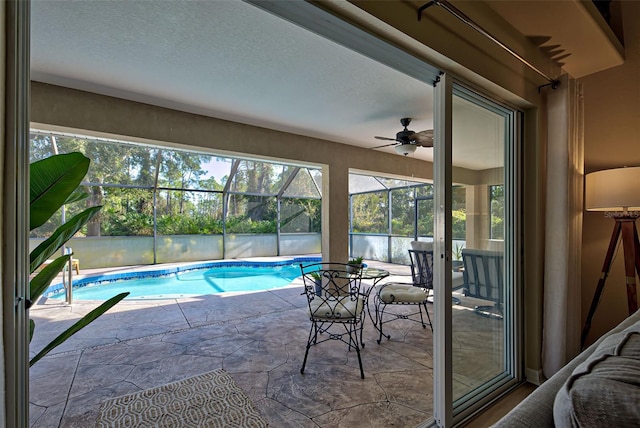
612, 139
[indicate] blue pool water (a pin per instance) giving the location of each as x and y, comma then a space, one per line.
196, 280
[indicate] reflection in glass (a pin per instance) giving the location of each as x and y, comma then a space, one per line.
479, 325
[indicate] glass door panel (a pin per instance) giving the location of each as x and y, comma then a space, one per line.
482, 174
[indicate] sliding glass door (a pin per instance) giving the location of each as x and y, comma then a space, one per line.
476, 226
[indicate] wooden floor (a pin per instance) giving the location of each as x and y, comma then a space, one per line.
501, 408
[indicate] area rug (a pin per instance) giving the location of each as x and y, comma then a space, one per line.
208, 400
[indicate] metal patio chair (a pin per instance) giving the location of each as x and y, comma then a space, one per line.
335, 306
484, 279
401, 293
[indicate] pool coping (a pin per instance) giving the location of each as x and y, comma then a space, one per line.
55, 289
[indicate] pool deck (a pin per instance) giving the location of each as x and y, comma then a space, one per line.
259, 338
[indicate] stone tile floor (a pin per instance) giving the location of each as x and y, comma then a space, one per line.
258, 338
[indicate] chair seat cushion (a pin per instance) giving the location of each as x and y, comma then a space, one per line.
336, 308
402, 293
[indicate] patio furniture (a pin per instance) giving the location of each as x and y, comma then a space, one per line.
399, 293
456, 274
336, 302
483, 279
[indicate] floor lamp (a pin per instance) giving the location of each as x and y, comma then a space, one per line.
617, 193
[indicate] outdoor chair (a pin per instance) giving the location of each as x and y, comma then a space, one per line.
483, 279
400, 293
335, 305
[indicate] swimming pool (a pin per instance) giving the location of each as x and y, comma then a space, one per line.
187, 281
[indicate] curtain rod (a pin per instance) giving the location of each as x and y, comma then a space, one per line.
555, 83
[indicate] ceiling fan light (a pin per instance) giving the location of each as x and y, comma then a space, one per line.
405, 148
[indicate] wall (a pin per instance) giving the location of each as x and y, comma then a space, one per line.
612, 139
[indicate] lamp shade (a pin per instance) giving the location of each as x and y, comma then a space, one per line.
613, 190
405, 148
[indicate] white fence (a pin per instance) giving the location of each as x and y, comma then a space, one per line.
112, 251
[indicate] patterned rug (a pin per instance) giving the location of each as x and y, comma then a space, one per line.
208, 400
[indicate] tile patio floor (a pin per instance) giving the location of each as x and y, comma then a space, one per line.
258, 338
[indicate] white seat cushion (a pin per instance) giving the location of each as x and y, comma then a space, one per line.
331, 309
402, 293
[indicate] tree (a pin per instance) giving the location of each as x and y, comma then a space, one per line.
370, 212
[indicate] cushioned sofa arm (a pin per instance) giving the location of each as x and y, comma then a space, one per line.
537, 409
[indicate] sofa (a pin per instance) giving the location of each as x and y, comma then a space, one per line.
600, 387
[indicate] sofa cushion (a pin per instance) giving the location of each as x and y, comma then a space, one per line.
604, 390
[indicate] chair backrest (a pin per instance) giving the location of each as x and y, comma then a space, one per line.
422, 268
330, 287
483, 274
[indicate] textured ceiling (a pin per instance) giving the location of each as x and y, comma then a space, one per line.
231, 60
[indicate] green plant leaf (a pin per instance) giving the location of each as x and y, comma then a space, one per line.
76, 195
52, 180
62, 234
32, 328
83, 322
41, 281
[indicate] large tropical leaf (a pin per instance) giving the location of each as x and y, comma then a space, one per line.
83, 322
41, 281
62, 234
52, 180
76, 195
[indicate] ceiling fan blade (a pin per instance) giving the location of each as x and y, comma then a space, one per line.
385, 145
423, 138
385, 138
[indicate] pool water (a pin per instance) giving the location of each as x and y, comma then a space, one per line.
191, 283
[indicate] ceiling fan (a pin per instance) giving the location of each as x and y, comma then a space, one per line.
407, 141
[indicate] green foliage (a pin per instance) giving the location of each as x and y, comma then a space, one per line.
49, 185
182, 225
355, 261
497, 212
457, 251
301, 215
122, 179
53, 182
459, 223
403, 211
244, 224
370, 213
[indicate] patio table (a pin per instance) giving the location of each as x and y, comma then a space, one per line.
374, 275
